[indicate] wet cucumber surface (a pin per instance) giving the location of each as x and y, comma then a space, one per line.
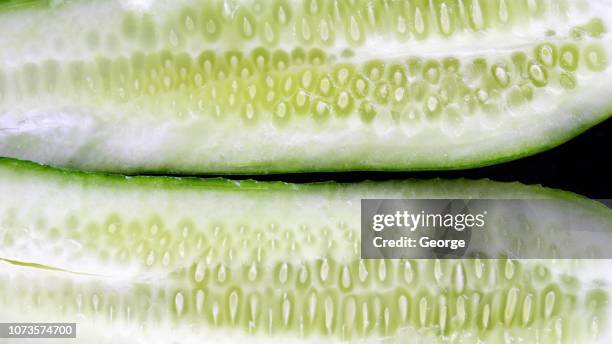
313, 85
158, 259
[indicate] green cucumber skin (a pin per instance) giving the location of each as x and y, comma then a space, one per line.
63, 122
490, 188
12, 5
62, 235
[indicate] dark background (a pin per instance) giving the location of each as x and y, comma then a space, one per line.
582, 165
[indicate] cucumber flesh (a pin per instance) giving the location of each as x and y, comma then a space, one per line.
158, 259
277, 86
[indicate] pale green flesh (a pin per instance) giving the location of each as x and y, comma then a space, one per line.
211, 260
241, 87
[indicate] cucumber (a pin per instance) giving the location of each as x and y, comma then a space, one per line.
240, 86
160, 259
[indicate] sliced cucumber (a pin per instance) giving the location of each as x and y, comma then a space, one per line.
158, 259
272, 86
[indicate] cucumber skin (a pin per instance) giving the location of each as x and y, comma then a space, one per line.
10, 5
65, 175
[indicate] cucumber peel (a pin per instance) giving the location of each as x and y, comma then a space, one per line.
153, 259
286, 86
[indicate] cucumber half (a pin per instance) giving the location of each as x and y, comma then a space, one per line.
159, 259
239, 86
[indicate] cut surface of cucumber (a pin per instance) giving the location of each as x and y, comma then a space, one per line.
278, 86
158, 260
